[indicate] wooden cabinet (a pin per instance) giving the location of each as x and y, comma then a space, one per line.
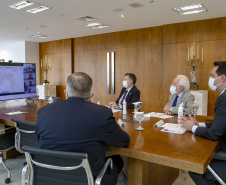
46, 90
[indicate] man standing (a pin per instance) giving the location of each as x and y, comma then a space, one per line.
129, 92
216, 130
77, 125
179, 93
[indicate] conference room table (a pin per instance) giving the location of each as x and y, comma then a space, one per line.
154, 157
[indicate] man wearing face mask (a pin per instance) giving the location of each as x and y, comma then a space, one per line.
179, 93
129, 92
216, 130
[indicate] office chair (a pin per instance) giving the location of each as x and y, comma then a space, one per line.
218, 156
55, 99
25, 135
59, 167
6, 144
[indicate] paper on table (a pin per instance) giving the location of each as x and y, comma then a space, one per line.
173, 128
116, 110
165, 116
15, 112
120, 122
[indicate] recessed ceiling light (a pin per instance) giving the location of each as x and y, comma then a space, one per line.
101, 26
189, 7
91, 24
192, 12
122, 15
39, 35
38, 9
21, 4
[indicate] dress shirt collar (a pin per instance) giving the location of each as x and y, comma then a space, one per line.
129, 89
222, 91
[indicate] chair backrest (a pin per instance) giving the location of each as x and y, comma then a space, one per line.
55, 99
57, 167
25, 134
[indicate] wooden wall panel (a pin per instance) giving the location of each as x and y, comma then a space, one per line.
204, 30
60, 54
156, 55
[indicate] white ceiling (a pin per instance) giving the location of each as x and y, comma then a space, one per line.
17, 25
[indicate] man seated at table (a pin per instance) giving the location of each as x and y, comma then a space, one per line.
216, 130
179, 93
129, 92
78, 125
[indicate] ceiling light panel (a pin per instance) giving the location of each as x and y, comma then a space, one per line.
191, 9
192, 12
21, 4
92, 24
100, 26
38, 9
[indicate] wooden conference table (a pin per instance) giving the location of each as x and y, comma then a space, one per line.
154, 157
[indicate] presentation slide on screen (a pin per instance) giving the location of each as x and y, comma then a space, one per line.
10, 79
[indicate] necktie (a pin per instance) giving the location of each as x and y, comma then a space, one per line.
123, 97
175, 101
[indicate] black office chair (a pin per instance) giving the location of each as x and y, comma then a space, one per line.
25, 134
6, 144
58, 167
55, 99
218, 156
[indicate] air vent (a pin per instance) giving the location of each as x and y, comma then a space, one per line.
135, 5
86, 18
117, 9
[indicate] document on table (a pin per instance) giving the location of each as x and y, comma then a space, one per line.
157, 115
116, 110
173, 128
15, 112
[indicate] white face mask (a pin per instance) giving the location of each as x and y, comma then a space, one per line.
211, 82
173, 89
125, 84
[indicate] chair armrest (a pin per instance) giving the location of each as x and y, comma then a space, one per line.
103, 170
7, 129
220, 156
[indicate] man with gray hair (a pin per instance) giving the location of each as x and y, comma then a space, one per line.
179, 93
78, 125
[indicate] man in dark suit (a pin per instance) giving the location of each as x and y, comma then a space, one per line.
216, 130
129, 92
78, 125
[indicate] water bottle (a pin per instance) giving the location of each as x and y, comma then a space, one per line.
135, 108
180, 110
124, 107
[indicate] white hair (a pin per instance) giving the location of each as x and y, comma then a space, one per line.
183, 81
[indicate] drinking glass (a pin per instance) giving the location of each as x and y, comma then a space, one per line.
139, 117
195, 108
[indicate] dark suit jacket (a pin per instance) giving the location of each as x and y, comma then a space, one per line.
217, 129
133, 96
77, 125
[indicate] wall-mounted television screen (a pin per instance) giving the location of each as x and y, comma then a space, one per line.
17, 80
